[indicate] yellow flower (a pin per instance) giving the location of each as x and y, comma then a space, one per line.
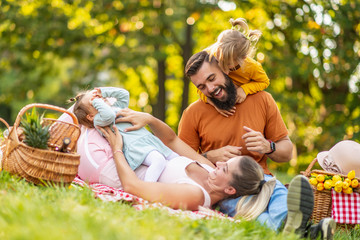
336, 178
314, 174
320, 178
338, 189
345, 185
348, 181
313, 181
328, 184
354, 183
339, 184
348, 190
351, 175
320, 186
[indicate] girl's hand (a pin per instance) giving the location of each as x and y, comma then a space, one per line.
241, 95
137, 119
113, 137
97, 92
225, 113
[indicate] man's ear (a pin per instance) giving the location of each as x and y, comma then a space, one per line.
230, 190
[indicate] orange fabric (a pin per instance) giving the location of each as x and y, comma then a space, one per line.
250, 76
204, 129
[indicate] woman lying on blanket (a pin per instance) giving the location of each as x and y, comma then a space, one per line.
188, 184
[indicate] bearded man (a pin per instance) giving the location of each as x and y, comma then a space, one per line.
256, 129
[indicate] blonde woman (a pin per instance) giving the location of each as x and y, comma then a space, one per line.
183, 177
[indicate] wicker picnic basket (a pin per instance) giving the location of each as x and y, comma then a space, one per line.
322, 199
43, 166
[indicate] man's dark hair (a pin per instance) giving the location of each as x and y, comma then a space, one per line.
195, 62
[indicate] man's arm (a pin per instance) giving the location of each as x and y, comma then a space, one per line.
256, 142
223, 154
283, 151
189, 134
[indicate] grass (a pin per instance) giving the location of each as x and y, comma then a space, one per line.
33, 212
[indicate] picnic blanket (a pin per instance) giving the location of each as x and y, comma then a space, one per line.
345, 207
107, 193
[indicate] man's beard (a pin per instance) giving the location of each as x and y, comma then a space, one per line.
230, 101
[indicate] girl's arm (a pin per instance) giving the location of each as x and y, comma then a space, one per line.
121, 95
105, 116
184, 196
162, 131
258, 79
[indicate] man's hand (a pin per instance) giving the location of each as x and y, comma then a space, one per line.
225, 113
223, 154
255, 141
240, 95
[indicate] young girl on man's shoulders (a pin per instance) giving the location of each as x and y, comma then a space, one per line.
233, 50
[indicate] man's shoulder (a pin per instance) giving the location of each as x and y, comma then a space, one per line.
196, 106
260, 95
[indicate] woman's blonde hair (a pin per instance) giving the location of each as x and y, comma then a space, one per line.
255, 190
80, 110
235, 44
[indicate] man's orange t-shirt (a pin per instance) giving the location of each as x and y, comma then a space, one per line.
204, 129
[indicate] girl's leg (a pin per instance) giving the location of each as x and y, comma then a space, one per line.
172, 155
156, 162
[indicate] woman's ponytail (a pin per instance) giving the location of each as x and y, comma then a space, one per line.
251, 206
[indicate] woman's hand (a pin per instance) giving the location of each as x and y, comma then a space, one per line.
137, 119
113, 137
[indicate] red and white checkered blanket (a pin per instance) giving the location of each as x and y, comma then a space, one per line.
345, 207
107, 193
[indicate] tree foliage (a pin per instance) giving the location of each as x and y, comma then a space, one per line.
51, 49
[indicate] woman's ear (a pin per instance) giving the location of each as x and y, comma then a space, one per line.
89, 117
230, 190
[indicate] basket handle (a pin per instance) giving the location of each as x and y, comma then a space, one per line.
46, 106
4, 122
308, 169
13, 131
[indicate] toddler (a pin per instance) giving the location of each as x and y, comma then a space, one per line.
93, 109
234, 50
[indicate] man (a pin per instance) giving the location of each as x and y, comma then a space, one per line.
256, 129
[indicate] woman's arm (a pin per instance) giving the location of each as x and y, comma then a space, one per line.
184, 196
162, 131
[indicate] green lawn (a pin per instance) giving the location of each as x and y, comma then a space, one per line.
31, 212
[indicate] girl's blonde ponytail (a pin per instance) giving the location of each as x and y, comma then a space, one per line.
235, 44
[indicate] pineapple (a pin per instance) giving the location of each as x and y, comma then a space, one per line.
36, 135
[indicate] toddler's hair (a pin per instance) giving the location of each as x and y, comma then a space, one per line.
80, 110
235, 44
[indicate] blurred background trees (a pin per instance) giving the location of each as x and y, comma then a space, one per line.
52, 49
